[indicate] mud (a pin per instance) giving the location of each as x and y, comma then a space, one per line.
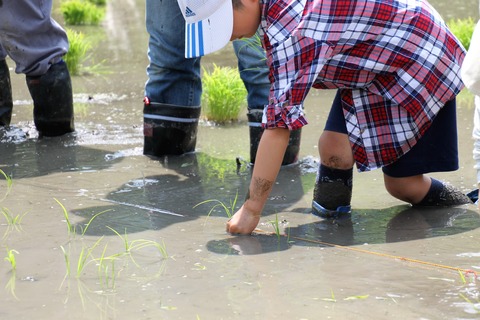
388, 261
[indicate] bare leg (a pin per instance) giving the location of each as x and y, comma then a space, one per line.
409, 189
333, 188
335, 150
423, 191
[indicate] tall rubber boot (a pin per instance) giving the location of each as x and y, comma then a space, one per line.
6, 102
254, 117
169, 129
52, 101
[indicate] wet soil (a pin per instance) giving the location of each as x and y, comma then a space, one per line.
147, 235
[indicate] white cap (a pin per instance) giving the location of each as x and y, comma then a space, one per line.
209, 25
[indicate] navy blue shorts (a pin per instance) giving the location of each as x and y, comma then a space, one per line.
436, 151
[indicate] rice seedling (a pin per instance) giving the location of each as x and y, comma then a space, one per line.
77, 52
137, 244
9, 184
11, 258
224, 94
13, 277
70, 226
12, 220
332, 297
475, 305
276, 226
72, 229
86, 253
77, 12
229, 210
67, 261
84, 230
106, 272
462, 29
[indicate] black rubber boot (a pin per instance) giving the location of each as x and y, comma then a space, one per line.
52, 101
6, 103
169, 129
443, 195
254, 117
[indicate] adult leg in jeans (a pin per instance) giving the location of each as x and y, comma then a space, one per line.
254, 73
173, 89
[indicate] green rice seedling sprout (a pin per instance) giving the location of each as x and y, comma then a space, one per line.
276, 226
224, 94
86, 253
137, 244
70, 227
12, 220
462, 29
84, 230
11, 258
77, 12
13, 278
67, 261
229, 210
332, 297
9, 184
106, 272
462, 277
77, 52
473, 304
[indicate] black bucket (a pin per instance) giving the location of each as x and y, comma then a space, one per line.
169, 129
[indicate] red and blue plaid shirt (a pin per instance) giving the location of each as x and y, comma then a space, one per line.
395, 62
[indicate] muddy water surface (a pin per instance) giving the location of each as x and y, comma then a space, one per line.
154, 250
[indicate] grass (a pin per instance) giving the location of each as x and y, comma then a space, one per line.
77, 51
78, 12
462, 29
224, 94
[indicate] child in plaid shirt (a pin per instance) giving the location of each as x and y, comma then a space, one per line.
396, 68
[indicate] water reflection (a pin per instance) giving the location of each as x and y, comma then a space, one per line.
24, 157
189, 187
395, 224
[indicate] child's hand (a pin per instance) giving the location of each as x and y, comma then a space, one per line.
243, 221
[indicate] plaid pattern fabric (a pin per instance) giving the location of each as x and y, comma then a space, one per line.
395, 62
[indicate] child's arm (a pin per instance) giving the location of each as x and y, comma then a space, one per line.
267, 164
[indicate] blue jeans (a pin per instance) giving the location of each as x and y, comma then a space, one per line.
175, 80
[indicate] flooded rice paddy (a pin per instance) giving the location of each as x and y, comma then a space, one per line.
99, 231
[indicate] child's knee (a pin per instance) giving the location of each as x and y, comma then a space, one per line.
335, 150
